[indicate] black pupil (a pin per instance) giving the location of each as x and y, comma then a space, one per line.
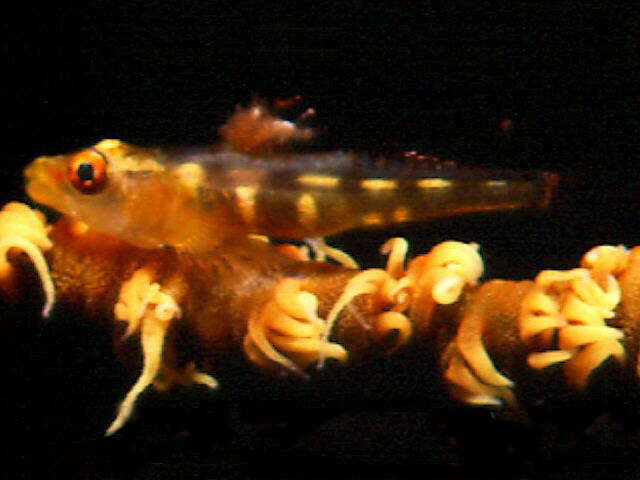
85, 172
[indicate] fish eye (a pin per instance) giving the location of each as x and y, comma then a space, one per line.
87, 171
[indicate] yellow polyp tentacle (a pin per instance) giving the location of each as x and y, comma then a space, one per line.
605, 260
395, 288
375, 275
257, 341
286, 290
255, 355
579, 367
166, 307
39, 262
152, 339
202, 378
24, 221
281, 322
153, 289
303, 345
322, 251
160, 309
573, 336
293, 301
533, 325
548, 278
467, 388
421, 305
396, 248
347, 296
366, 282
472, 350
388, 293
187, 375
440, 276
578, 311
439, 279
25, 229
584, 299
309, 304
470, 365
591, 291
540, 360
288, 332
361, 284
335, 351
461, 258
399, 294
135, 295
387, 322
342, 257
538, 312
327, 350
446, 287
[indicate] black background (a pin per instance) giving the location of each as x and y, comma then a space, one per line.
381, 78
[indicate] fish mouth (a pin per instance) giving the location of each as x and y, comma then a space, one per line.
45, 177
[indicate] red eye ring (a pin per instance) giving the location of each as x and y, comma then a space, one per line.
87, 171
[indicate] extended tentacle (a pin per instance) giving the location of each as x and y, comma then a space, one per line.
378, 299
467, 364
25, 229
322, 251
440, 276
564, 317
385, 297
148, 309
287, 331
492, 339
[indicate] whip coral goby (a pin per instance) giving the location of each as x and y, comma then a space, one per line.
174, 243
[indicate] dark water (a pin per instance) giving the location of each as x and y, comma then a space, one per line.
380, 79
